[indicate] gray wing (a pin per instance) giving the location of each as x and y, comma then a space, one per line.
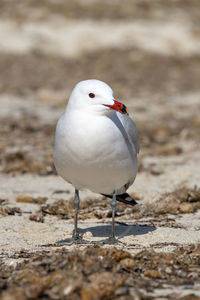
131, 136
130, 129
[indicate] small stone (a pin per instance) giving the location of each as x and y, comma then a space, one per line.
87, 234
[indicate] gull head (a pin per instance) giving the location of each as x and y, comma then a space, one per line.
96, 97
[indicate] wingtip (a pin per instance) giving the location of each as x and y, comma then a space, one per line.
127, 199
124, 198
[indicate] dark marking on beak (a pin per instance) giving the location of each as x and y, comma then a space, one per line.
124, 110
118, 106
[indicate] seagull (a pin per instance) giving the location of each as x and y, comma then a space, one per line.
96, 146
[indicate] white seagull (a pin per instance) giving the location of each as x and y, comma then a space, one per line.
96, 146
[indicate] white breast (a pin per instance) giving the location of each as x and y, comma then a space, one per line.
95, 152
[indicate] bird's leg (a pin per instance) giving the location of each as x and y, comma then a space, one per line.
76, 235
112, 238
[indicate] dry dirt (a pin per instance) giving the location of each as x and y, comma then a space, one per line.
149, 53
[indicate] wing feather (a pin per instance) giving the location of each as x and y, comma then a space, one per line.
130, 129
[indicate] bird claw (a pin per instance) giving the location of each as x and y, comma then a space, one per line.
76, 235
77, 239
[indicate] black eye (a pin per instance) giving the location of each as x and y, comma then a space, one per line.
91, 95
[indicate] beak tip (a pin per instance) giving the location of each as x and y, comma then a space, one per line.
118, 106
124, 110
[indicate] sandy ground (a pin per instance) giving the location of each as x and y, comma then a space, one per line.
151, 59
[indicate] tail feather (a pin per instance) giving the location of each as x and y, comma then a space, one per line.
125, 198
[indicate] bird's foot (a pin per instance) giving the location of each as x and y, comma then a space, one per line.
78, 239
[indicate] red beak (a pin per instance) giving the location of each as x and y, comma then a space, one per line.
118, 106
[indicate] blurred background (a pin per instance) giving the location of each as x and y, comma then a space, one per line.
147, 51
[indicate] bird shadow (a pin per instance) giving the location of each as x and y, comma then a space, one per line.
121, 230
